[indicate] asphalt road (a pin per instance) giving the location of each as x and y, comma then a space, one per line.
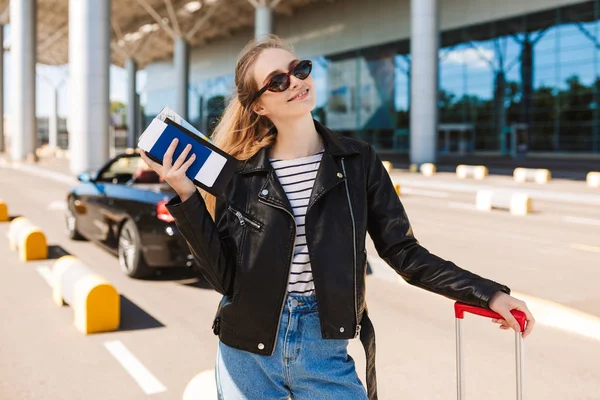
165, 348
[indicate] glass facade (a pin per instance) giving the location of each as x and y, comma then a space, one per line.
526, 84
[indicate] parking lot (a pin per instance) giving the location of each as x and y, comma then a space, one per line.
165, 348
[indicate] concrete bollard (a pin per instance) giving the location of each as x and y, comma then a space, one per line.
471, 171
397, 189
593, 179
28, 239
428, 169
3, 211
95, 302
414, 168
388, 166
516, 203
528, 174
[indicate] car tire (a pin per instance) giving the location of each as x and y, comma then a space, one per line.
71, 222
129, 249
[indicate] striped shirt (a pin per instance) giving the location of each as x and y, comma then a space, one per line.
297, 178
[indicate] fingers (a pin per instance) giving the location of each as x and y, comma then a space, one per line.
168, 157
177, 164
187, 164
530, 320
151, 163
510, 320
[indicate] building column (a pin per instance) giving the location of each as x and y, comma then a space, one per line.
263, 21
182, 68
23, 124
2, 141
527, 91
89, 62
424, 45
53, 121
132, 127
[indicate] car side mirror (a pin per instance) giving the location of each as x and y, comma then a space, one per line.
85, 177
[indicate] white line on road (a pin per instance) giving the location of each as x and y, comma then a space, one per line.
140, 374
546, 312
585, 247
46, 273
427, 193
57, 205
579, 220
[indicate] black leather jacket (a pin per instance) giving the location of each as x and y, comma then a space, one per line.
246, 255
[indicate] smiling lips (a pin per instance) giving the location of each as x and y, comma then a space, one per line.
300, 96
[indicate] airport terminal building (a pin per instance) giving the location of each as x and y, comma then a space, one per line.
514, 77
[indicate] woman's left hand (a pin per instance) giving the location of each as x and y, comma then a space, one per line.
503, 304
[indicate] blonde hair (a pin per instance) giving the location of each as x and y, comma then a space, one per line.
241, 132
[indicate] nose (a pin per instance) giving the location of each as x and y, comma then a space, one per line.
295, 82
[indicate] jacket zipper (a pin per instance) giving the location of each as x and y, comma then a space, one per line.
243, 219
288, 270
358, 327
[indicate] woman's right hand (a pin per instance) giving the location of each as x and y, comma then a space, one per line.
174, 172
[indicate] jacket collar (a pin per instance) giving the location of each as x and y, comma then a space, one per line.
334, 145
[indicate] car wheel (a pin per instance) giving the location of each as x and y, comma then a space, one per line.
71, 222
130, 252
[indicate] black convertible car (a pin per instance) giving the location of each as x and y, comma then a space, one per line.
122, 208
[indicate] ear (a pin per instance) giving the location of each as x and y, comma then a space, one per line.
259, 109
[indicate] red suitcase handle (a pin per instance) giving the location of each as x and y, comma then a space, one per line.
460, 309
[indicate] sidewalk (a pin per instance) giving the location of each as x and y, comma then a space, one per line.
574, 168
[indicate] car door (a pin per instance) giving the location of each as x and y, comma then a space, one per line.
110, 181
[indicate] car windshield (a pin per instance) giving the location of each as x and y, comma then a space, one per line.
129, 169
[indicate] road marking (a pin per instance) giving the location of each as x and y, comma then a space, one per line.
462, 206
546, 312
585, 247
46, 273
564, 318
427, 193
57, 205
41, 172
579, 220
202, 386
137, 370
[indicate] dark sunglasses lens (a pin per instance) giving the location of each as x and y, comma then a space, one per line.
279, 83
302, 70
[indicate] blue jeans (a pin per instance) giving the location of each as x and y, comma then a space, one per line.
303, 367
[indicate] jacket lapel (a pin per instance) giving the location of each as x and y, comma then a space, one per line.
329, 173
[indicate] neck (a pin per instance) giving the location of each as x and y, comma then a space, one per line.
296, 138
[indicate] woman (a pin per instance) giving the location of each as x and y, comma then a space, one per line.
286, 247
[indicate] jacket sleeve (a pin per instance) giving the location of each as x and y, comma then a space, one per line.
208, 241
393, 237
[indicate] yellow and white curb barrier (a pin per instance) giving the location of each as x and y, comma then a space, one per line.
3, 211
95, 302
428, 169
202, 386
535, 175
388, 166
592, 179
28, 239
414, 168
516, 203
397, 189
471, 171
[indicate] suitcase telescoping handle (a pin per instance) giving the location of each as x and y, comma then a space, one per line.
459, 311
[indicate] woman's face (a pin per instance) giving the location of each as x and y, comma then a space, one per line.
296, 101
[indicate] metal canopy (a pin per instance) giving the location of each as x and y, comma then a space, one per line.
135, 27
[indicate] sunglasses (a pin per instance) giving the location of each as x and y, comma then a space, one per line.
281, 82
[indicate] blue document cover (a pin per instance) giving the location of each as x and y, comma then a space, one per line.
211, 170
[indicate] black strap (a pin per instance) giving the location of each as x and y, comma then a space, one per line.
367, 338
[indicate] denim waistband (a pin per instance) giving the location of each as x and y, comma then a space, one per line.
299, 303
